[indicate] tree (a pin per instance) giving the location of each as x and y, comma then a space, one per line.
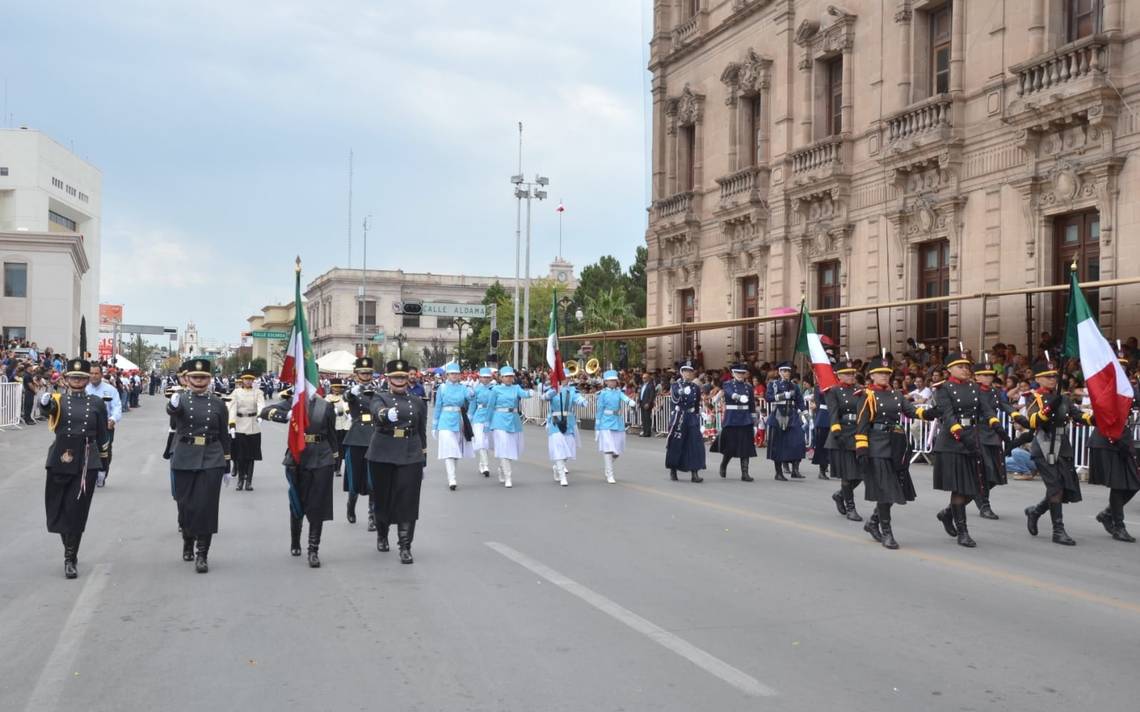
435, 354
602, 275
635, 282
141, 352
608, 311
258, 365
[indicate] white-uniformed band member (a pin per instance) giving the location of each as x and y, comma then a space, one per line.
343, 417
396, 458
200, 461
737, 436
244, 407
356, 478
843, 402
506, 422
449, 423
110, 396
562, 427
1112, 464
79, 421
310, 477
481, 419
609, 424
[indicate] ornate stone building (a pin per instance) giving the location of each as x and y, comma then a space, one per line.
882, 150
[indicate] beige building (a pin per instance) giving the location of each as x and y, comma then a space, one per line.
273, 318
880, 150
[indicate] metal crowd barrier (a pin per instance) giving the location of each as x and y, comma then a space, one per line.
10, 405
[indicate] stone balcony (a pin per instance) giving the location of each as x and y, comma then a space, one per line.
1066, 84
1063, 68
746, 186
827, 158
929, 119
677, 208
688, 31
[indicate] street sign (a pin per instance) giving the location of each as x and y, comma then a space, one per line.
142, 329
379, 338
270, 334
477, 311
587, 348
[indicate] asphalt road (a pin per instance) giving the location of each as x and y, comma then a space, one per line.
644, 595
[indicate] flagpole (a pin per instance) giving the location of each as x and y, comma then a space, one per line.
561, 211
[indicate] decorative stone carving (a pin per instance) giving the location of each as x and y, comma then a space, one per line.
747, 78
686, 109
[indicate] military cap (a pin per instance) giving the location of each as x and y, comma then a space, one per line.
364, 363
984, 369
78, 367
248, 373
956, 358
199, 367
395, 367
879, 364
1045, 367
336, 383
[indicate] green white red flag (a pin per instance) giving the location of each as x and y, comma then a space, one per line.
553, 354
1109, 390
300, 370
810, 344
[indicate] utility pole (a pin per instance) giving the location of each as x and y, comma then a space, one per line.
349, 266
360, 302
517, 179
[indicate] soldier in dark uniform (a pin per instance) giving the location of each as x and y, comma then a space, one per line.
785, 431
737, 437
177, 383
356, 478
685, 446
993, 439
1112, 464
958, 468
310, 478
396, 458
1047, 416
883, 451
200, 460
821, 423
843, 402
74, 458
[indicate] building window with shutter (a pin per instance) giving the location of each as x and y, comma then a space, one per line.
835, 96
940, 36
1082, 18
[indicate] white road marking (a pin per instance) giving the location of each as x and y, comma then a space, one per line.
59, 670
704, 660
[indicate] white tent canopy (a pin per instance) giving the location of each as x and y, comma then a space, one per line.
336, 362
123, 363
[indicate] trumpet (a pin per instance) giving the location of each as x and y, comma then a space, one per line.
593, 366
572, 368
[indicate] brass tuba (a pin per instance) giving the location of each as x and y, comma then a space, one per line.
572, 368
593, 366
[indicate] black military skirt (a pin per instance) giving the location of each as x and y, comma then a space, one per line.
311, 492
67, 501
820, 455
246, 447
888, 479
685, 447
1060, 477
397, 490
844, 465
198, 493
958, 472
993, 457
736, 441
356, 475
1113, 468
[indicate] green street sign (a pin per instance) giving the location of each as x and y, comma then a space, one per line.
379, 338
270, 334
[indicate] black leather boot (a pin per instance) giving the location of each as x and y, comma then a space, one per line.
1119, 533
872, 527
885, 526
823, 472
240, 479
673, 475
201, 565
694, 477
1105, 519
70, 556
744, 470
849, 505
382, 536
249, 476
187, 548
295, 535
1060, 536
315, 544
1032, 514
947, 518
350, 513
780, 472
985, 511
796, 470
964, 538
724, 465
404, 532
840, 505
371, 513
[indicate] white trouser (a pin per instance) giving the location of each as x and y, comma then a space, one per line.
484, 465
609, 459
505, 471
449, 465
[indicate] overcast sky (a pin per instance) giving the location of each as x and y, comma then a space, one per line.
223, 128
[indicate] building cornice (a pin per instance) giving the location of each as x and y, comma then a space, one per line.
57, 242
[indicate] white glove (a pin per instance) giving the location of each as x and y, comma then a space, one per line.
227, 479
393, 415
233, 432
743, 398
736, 396
174, 399
355, 390
45, 398
100, 478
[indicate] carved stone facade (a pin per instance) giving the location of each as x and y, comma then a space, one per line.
800, 143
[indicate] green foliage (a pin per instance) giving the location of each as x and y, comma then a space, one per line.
258, 365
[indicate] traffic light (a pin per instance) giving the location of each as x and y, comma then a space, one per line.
494, 338
413, 308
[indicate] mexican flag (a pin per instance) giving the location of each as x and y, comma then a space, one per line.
553, 355
809, 344
299, 369
1109, 389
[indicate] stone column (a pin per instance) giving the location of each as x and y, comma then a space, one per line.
1112, 17
1036, 27
848, 116
903, 20
806, 113
736, 119
957, 46
698, 159
660, 140
763, 150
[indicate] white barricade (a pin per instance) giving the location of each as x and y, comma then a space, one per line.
10, 404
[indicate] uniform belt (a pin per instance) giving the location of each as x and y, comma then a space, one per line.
314, 438
736, 407
366, 417
246, 415
451, 409
504, 410
823, 407
198, 439
965, 422
609, 412
399, 432
886, 427
848, 418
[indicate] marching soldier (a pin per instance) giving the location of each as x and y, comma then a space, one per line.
200, 460
114, 404
244, 405
843, 402
785, 431
343, 417
882, 450
396, 458
609, 427
821, 422
175, 383
1112, 464
993, 439
562, 427
685, 446
449, 422
356, 478
506, 423
310, 476
79, 421
1047, 417
958, 458
737, 437
481, 419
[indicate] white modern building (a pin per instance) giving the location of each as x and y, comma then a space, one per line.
49, 241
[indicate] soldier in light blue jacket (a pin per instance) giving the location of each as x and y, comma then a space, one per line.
481, 418
562, 427
506, 422
451, 401
609, 428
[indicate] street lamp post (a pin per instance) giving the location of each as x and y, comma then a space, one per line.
400, 340
525, 190
458, 323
